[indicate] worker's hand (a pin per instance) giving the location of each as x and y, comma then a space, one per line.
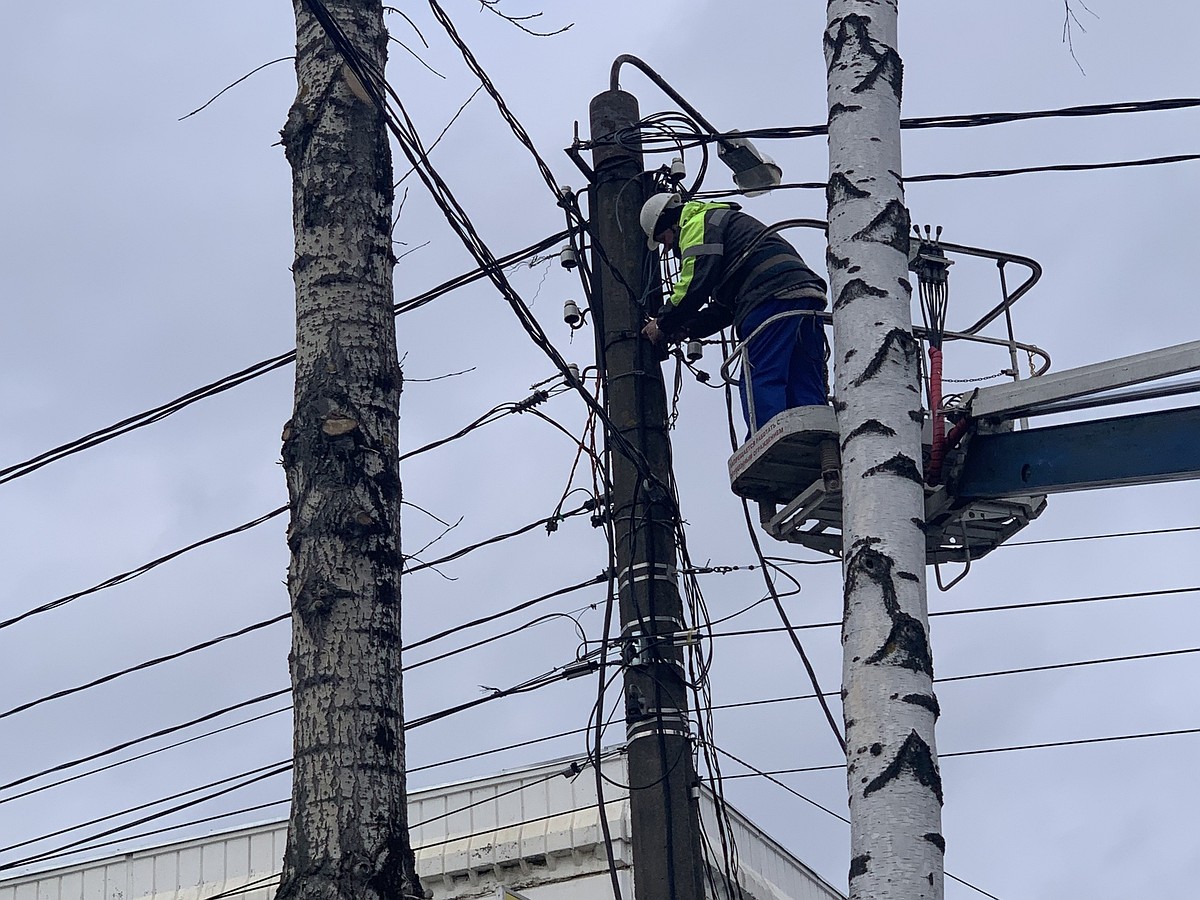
652, 332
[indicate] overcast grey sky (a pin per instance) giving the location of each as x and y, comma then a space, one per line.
143, 256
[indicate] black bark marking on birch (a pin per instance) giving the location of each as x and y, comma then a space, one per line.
927, 701
871, 426
914, 758
855, 289
864, 561
889, 227
907, 644
936, 839
890, 68
850, 354
876, 749
840, 109
839, 405
908, 576
917, 415
897, 338
858, 865
854, 32
899, 465
852, 27
920, 523
905, 285
833, 261
840, 188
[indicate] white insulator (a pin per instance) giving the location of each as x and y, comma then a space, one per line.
571, 314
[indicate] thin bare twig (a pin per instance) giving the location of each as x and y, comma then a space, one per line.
400, 208
492, 6
439, 377
445, 531
411, 23
438, 139
410, 249
1070, 18
422, 509
235, 84
413, 53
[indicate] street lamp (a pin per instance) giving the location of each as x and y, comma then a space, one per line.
754, 172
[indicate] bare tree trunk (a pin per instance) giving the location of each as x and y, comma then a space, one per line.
348, 834
889, 706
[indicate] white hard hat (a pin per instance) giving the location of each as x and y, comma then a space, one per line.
652, 209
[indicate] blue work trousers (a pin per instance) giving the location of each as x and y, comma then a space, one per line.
784, 366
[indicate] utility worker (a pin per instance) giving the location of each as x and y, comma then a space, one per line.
747, 274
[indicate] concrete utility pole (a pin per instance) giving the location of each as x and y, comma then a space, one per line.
664, 809
889, 707
348, 833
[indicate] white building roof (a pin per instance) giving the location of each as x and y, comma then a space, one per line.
534, 830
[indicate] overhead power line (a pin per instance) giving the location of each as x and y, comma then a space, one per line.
831, 560
124, 745
1048, 667
966, 120
205, 645
795, 793
143, 568
492, 415
1005, 607
244, 780
571, 769
718, 707
148, 664
1048, 745
255, 775
1097, 537
158, 413
984, 173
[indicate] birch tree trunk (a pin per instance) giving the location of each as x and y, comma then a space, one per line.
889, 706
348, 834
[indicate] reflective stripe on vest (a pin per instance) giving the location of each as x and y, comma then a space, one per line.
703, 250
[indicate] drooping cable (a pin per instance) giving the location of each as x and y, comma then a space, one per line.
131, 574
913, 123
492, 415
157, 661
158, 413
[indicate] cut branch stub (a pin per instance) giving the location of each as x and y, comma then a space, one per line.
335, 426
